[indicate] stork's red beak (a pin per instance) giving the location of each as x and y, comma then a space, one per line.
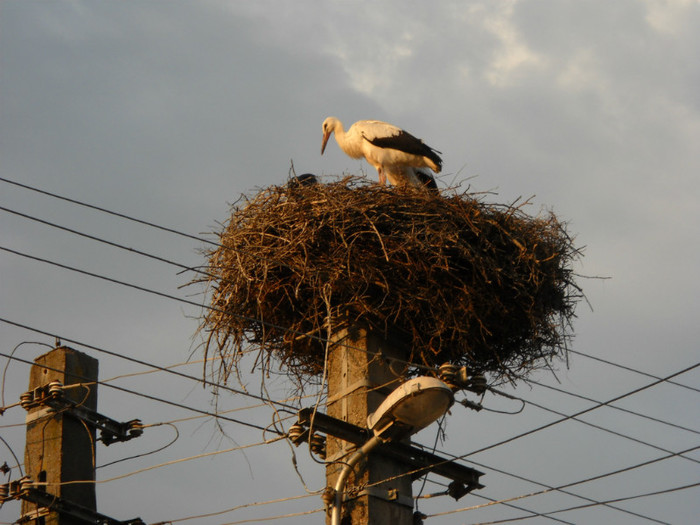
326, 136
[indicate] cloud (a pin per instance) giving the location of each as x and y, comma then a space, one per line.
671, 16
513, 54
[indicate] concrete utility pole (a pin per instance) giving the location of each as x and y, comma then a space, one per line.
361, 373
59, 448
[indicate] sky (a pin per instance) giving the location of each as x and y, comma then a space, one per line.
168, 110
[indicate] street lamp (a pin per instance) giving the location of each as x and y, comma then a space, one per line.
411, 407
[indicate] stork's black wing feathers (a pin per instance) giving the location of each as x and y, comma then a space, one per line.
404, 141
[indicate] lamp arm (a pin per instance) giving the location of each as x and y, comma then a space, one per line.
343, 477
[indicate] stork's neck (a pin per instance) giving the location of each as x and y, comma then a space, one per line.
350, 142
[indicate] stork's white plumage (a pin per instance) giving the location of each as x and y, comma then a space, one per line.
395, 153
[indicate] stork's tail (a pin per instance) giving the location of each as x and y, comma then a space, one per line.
426, 179
433, 160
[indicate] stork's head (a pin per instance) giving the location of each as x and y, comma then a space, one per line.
328, 127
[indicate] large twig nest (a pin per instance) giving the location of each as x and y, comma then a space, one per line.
457, 279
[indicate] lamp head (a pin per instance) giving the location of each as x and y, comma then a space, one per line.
411, 407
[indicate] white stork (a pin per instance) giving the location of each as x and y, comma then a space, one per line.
395, 153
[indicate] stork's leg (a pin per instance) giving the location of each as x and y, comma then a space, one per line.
382, 177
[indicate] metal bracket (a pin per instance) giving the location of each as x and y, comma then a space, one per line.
421, 460
391, 495
111, 431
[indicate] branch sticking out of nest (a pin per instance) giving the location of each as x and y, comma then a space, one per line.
456, 279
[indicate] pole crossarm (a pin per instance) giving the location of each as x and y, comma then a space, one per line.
46, 503
51, 396
417, 458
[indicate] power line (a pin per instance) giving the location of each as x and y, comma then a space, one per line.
270, 518
136, 220
562, 488
19, 465
233, 509
578, 507
288, 406
628, 498
632, 412
109, 212
584, 411
110, 279
105, 241
155, 451
599, 427
160, 465
157, 368
531, 513
630, 369
534, 513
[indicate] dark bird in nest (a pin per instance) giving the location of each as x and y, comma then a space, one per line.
305, 179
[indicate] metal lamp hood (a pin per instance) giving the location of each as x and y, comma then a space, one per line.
411, 407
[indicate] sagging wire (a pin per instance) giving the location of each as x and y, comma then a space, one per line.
17, 462
295, 465
440, 431
276, 418
177, 436
233, 509
319, 397
160, 465
4, 372
165, 368
327, 292
183, 267
270, 518
480, 405
290, 442
60, 411
91, 439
